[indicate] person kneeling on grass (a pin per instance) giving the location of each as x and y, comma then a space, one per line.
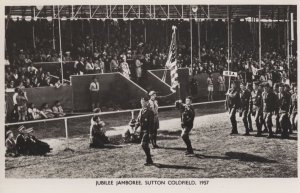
97, 133
132, 135
187, 121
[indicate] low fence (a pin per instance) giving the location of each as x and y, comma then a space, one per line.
65, 119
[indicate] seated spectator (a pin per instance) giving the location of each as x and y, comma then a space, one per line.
58, 84
58, 110
34, 113
28, 144
10, 144
47, 111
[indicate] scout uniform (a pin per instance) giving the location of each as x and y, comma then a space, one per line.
245, 104
283, 111
187, 122
145, 121
278, 97
233, 101
257, 109
154, 107
269, 105
293, 110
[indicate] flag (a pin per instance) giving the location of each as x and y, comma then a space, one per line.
171, 63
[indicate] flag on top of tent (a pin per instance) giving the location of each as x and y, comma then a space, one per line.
171, 63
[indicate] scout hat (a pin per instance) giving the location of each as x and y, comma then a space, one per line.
7, 133
22, 129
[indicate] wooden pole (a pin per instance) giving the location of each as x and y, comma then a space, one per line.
60, 48
288, 40
199, 39
191, 37
228, 42
259, 34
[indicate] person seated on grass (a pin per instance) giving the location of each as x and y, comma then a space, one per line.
10, 144
28, 144
97, 133
132, 135
34, 113
58, 110
47, 111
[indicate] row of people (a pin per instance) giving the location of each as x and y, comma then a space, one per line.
262, 101
24, 110
25, 143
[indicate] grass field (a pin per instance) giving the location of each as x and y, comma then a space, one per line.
217, 154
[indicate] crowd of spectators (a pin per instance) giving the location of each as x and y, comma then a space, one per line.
102, 51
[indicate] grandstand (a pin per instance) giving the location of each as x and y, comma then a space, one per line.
63, 47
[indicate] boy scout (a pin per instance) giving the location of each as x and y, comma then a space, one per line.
269, 104
256, 107
154, 107
145, 121
293, 108
187, 121
245, 104
233, 102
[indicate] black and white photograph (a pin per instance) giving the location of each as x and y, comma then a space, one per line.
133, 91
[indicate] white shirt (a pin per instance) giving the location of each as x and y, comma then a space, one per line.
94, 86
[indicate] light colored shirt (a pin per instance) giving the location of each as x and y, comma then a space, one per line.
154, 106
94, 86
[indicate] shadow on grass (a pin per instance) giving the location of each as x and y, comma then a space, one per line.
159, 137
166, 132
107, 147
246, 157
179, 148
158, 165
264, 135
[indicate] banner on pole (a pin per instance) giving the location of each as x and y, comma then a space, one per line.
171, 63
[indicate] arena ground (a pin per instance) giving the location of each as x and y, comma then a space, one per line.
217, 154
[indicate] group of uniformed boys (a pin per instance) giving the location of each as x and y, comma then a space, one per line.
149, 123
262, 101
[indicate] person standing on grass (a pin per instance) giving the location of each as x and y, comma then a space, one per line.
269, 104
276, 112
154, 107
187, 121
233, 103
284, 105
256, 106
293, 109
94, 91
145, 121
245, 95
